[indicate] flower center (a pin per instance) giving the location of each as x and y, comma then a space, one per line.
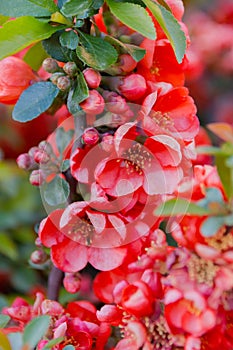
137, 158
158, 334
223, 240
82, 231
201, 271
163, 120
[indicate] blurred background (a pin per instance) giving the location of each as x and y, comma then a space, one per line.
210, 81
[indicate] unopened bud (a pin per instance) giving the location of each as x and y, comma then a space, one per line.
38, 257
63, 83
92, 77
127, 63
32, 151
107, 142
90, 136
54, 77
41, 157
70, 68
36, 178
132, 87
45, 146
94, 104
115, 102
50, 65
24, 161
72, 282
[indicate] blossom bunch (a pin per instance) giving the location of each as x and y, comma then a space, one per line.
125, 194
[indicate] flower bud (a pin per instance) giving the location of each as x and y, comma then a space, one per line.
70, 68
38, 257
94, 104
54, 77
90, 136
132, 87
41, 156
50, 65
115, 102
32, 151
72, 282
15, 77
24, 161
63, 83
107, 143
92, 77
36, 178
127, 63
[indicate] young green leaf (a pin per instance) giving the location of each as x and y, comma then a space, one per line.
179, 206
80, 9
34, 101
35, 8
225, 173
46, 4
96, 52
56, 192
17, 34
35, 330
63, 139
134, 16
3, 19
4, 319
4, 342
171, 28
211, 225
69, 39
78, 93
53, 342
136, 52
35, 56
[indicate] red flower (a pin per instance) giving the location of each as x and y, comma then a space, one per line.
160, 63
188, 312
153, 165
15, 77
172, 110
78, 235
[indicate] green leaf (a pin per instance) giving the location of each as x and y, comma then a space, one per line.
7, 246
34, 101
211, 226
136, 52
35, 56
208, 150
4, 319
80, 9
178, 206
134, 16
16, 340
53, 342
96, 52
78, 93
17, 34
65, 165
18, 8
54, 49
35, 330
46, 4
63, 138
69, 347
69, 39
171, 28
225, 173
3, 19
4, 342
56, 191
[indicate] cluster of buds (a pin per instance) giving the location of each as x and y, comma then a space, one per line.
35, 161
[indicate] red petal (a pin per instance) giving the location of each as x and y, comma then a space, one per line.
106, 259
69, 256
